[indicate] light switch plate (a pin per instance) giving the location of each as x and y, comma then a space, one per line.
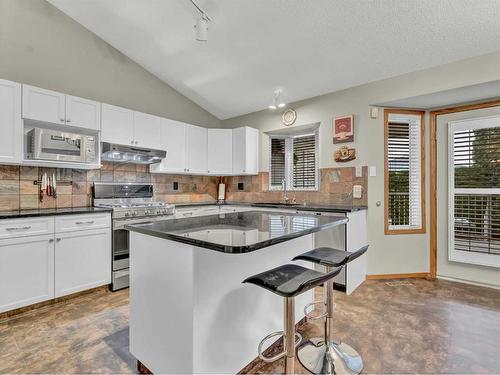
373, 171
373, 112
357, 191
359, 171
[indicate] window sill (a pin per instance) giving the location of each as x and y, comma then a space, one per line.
404, 231
479, 259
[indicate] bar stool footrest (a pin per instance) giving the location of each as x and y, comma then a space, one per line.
298, 339
308, 313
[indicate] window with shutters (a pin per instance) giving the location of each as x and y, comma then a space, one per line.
404, 172
474, 191
294, 161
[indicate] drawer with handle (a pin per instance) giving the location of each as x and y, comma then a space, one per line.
13, 228
71, 223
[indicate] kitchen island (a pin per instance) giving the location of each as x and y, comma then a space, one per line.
189, 311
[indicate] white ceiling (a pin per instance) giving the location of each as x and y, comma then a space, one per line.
305, 47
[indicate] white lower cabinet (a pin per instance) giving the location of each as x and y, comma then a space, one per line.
26, 271
39, 263
82, 260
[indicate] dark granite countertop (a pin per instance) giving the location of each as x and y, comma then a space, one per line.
299, 207
51, 212
239, 232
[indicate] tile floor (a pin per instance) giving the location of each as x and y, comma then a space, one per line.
415, 326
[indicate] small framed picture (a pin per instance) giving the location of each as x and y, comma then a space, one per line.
343, 129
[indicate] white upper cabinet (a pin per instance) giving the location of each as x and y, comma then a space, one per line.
173, 140
43, 105
196, 147
57, 108
125, 127
11, 127
117, 125
220, 151
245, 151
147, 130
83, 113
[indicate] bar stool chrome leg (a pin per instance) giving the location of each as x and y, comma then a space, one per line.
291, 339
290, 335
324, 355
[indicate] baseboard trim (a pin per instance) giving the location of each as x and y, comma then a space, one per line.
37, 307
417, 275
462, 281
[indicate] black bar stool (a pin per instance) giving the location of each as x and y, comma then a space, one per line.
322, 355
288, 281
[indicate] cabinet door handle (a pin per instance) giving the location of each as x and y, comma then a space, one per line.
51, 240
85, 222
58, 240
62, 120
68, 120
19, 228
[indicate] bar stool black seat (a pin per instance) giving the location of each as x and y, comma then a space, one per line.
330, 257
323, 355
288, 281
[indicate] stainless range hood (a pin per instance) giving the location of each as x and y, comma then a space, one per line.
130, 154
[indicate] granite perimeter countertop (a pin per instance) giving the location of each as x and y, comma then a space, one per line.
17, 214
297, 207
239, 232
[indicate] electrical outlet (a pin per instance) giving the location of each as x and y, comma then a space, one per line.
176, 185
359, 171
241, 186
357, 191
373, 171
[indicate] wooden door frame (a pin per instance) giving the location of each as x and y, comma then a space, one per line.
433, 172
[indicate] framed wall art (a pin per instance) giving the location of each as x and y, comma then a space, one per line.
343, 129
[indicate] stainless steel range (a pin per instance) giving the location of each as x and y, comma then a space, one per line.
132, 203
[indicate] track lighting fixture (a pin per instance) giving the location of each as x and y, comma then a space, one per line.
201, 26
278, 101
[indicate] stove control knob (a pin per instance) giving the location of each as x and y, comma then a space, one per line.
127, 214
134, 213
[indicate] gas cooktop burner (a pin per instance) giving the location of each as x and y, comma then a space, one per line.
131, 205
130, 200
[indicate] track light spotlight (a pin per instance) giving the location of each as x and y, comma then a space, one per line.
278, 101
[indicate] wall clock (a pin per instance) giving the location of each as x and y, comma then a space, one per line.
288, 117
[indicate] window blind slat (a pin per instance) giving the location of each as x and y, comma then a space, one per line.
295, 160
475, 164
403, 161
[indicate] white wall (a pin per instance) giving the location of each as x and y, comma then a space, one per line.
42, 46
445, 268
394, 253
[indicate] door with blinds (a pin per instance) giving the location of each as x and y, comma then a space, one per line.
474, 191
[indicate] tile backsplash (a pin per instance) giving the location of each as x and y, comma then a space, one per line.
74, 188
17, 190
335, 187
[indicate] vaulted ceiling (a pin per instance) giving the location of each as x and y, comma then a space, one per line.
304, 47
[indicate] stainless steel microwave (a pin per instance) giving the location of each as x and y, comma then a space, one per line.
46, 144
